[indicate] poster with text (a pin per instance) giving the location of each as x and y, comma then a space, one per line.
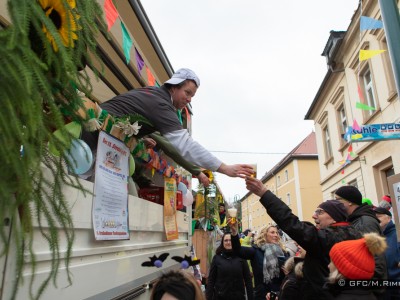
110, 201
171, 227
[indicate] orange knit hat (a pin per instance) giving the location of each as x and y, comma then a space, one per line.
354, 258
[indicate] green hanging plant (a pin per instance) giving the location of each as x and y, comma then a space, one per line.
42, 56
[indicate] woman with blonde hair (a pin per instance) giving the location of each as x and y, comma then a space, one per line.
266, 256
177, 285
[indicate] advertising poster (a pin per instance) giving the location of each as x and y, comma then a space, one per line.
170, 224
110, 202
373, 132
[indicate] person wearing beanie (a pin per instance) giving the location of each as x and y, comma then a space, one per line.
392, 253
335, 212
354, 260
361, 216
364, 219
386, 202
316, 241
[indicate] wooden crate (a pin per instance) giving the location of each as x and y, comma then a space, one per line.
200, 240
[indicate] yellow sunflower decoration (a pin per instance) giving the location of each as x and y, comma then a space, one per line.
63, 19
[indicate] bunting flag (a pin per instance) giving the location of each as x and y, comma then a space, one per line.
369, 23
360, 93
350, 149
363, 106
126, 43
157, 84
151, 80
366, 54
139, 60
355, 125
111, 13
342, 171
343, 181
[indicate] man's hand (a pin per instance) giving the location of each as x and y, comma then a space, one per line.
149, 142
233, 226
203, 179
255, 186
240, 170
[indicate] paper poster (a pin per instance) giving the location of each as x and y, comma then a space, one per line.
170, 224
110, 201
373, 132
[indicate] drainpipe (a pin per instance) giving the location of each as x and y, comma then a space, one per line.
391, 24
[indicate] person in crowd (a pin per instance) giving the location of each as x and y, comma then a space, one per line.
364, 219
354, 260
266, 256
392, 253
331, 227
291, 286
229, 276
222, 215
386, 202
159, 107
177, 285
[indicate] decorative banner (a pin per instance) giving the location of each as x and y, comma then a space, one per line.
363, 106
171, 227
367, 54
126, 43
110, 201
370, 23
110, 12
360, 93
150, 78
374, 132
139, 60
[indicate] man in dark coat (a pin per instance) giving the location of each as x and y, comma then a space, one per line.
330, 219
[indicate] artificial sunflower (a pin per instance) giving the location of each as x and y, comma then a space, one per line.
63, 20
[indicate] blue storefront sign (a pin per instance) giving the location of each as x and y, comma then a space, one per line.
373, 132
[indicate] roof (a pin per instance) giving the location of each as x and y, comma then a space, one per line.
306, 149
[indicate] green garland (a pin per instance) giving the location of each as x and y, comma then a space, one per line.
38, 81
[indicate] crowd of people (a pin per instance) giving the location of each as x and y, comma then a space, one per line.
350, 240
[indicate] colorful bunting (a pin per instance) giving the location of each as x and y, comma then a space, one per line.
150, 77
139, 60
355, 125
343, 181
364, 106
366, 54
360, 93
126, 43
369, 23
111, 13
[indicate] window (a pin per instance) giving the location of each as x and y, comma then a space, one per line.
328, 145
288, 199
342, 119
278, 181
286, 175
369, 93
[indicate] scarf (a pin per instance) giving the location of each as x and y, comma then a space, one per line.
270, 264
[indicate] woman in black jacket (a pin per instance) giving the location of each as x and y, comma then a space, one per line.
229, 276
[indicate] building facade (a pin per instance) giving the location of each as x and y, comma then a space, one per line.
350, 80
295, 180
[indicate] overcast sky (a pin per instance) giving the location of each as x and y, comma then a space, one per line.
260, 67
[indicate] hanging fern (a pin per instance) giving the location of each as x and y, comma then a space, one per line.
42, 54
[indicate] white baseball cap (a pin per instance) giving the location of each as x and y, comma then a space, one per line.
182, 75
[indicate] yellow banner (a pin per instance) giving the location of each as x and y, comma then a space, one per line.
170, 225
366, 54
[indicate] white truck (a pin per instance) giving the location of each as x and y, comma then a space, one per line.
103, 269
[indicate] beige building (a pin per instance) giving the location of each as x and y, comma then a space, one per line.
334, 108
295, 180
